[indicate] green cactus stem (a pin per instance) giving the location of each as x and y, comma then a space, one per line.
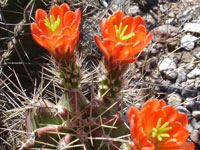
111, 83
70, 74
73, 100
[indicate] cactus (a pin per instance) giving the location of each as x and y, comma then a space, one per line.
72, 121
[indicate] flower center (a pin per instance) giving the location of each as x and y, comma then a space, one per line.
120, 32
158, 132
52, 23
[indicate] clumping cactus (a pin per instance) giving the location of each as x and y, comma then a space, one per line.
74, 122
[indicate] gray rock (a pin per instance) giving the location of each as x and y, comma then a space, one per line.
187, 14
174, 100
156, 50
133, 10
192, 125
170, 74
181, 75
197, 83
194, 73
189, 91
188, 42
186, 57
189, 103
144, 53
161, 86
171, 44
167, 67
190, 82
184, 110
196, 114
195, 137
196, 106
190, 67
163, 32
147, 3
196, 52
104, 3
173, 88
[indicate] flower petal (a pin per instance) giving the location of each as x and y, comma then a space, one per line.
148, 38
136, 48
103, 28
44, 28
118, 17
40, 14
154, 104
111, 21
56, 11
35, 30
147, 122
140, 33
78, 16
127, 20
178, 135
64, 7
103, 48
40, 41
138, 20
68, 18
120, 51
133, 110
182, 118
143, 139
170, 114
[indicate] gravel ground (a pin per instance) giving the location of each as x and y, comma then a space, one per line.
168, 68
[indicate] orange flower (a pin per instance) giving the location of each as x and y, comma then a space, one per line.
123, 37
58, 31
158, 127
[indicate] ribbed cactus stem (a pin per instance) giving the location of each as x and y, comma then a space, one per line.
70, 74
109, 87
111, 83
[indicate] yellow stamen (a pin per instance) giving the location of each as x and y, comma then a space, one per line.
158, 130
120, 33
53, 23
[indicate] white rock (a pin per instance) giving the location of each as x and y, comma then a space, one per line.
188, 42
174, 100
194, 73
192, 27
167, 64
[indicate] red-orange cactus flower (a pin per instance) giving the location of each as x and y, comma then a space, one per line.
123, 37
158, 126
57, 31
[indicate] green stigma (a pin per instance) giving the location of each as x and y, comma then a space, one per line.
120, 32
53, 23
158, 132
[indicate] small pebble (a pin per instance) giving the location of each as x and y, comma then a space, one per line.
194, 73
184, 110
181, 75
189, 91
174, 100
195, 136
196, 114
192, 125
166, 64
188, 42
